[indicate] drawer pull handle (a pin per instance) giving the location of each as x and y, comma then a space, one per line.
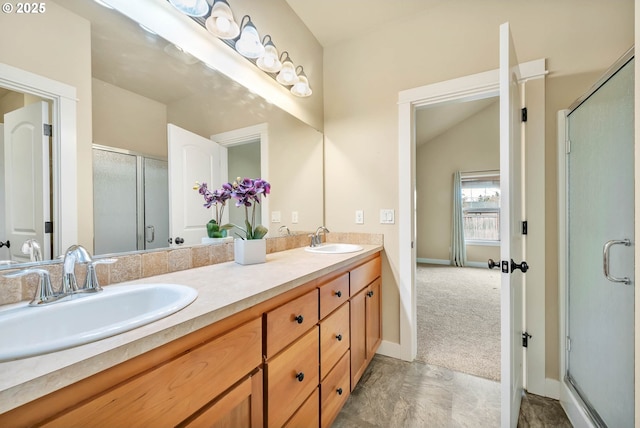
300, 377
339, 391
339, 337
338, 293
299, 319
370, 294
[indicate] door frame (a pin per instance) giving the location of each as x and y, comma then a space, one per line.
245, 135
64, 156
467, 88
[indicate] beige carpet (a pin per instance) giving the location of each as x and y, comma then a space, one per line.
459, 319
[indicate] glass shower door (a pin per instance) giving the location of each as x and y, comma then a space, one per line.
600, 343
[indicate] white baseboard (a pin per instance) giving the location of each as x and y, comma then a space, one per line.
448, 262
391, 349
552, 388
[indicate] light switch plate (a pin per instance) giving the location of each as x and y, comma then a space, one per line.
359, 217
387, 216
294, 217
275, 217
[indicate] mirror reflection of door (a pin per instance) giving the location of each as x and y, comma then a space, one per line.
27, 201
192, 158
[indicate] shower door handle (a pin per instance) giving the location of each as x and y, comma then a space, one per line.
605, 259
151, 234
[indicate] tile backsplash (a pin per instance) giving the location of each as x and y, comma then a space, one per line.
144, 264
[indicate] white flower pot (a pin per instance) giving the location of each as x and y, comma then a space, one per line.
207, 240
251, 251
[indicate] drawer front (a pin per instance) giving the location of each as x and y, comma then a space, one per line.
308, 415
363, 275
290, 321
291, 378
334, 339
167, 394
334, 391
333, 294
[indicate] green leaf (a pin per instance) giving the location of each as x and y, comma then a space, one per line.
259, 232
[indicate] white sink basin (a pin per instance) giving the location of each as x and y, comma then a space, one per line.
26, 331
334, 248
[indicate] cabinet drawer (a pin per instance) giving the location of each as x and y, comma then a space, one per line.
363, 275
333, 294
240, 407
334, 391
334, 339
288, 322
168, 394
308, 415
291, 378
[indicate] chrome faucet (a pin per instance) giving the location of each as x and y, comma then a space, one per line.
284, 230
31, 247
75, 254
316, 239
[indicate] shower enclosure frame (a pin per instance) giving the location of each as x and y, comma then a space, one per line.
577, 411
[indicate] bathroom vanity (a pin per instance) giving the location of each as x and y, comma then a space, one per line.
276, 344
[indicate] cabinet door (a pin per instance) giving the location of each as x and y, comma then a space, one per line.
358, 336
240, 407
373, 318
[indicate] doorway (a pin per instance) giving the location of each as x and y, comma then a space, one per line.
458, 307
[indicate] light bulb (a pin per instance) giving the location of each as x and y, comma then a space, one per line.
223, 24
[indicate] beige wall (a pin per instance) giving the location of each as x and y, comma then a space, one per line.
36, 43
450, 40
295, 154
129, 121
472, 145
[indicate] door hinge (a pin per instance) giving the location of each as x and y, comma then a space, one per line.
524, 114
524, 227
568, 344
48, 130
525, 339
48, 227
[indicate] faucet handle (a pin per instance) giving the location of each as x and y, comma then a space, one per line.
44, 293
91, 285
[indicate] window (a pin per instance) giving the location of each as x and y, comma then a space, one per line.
481, 208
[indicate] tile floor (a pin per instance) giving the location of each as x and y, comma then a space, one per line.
394, 393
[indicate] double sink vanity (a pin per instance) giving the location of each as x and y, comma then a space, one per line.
282, 343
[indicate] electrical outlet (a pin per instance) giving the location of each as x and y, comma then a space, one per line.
294, 217
275, 217
387, 216
359, 217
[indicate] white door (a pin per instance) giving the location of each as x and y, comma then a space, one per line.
191, 158
511, 246
26, 179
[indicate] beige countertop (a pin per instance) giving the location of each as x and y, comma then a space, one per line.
223, 290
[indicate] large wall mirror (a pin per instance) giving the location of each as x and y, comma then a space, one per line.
142, 87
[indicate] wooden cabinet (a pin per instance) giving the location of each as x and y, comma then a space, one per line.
292, 376
334, 391
366, 328
240, 407
175, 390
289, 361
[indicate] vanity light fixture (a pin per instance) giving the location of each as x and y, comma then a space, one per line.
221, 23
287, 75
191, 7
301, 87
103, 4
244, 39
249, 45
269, 60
